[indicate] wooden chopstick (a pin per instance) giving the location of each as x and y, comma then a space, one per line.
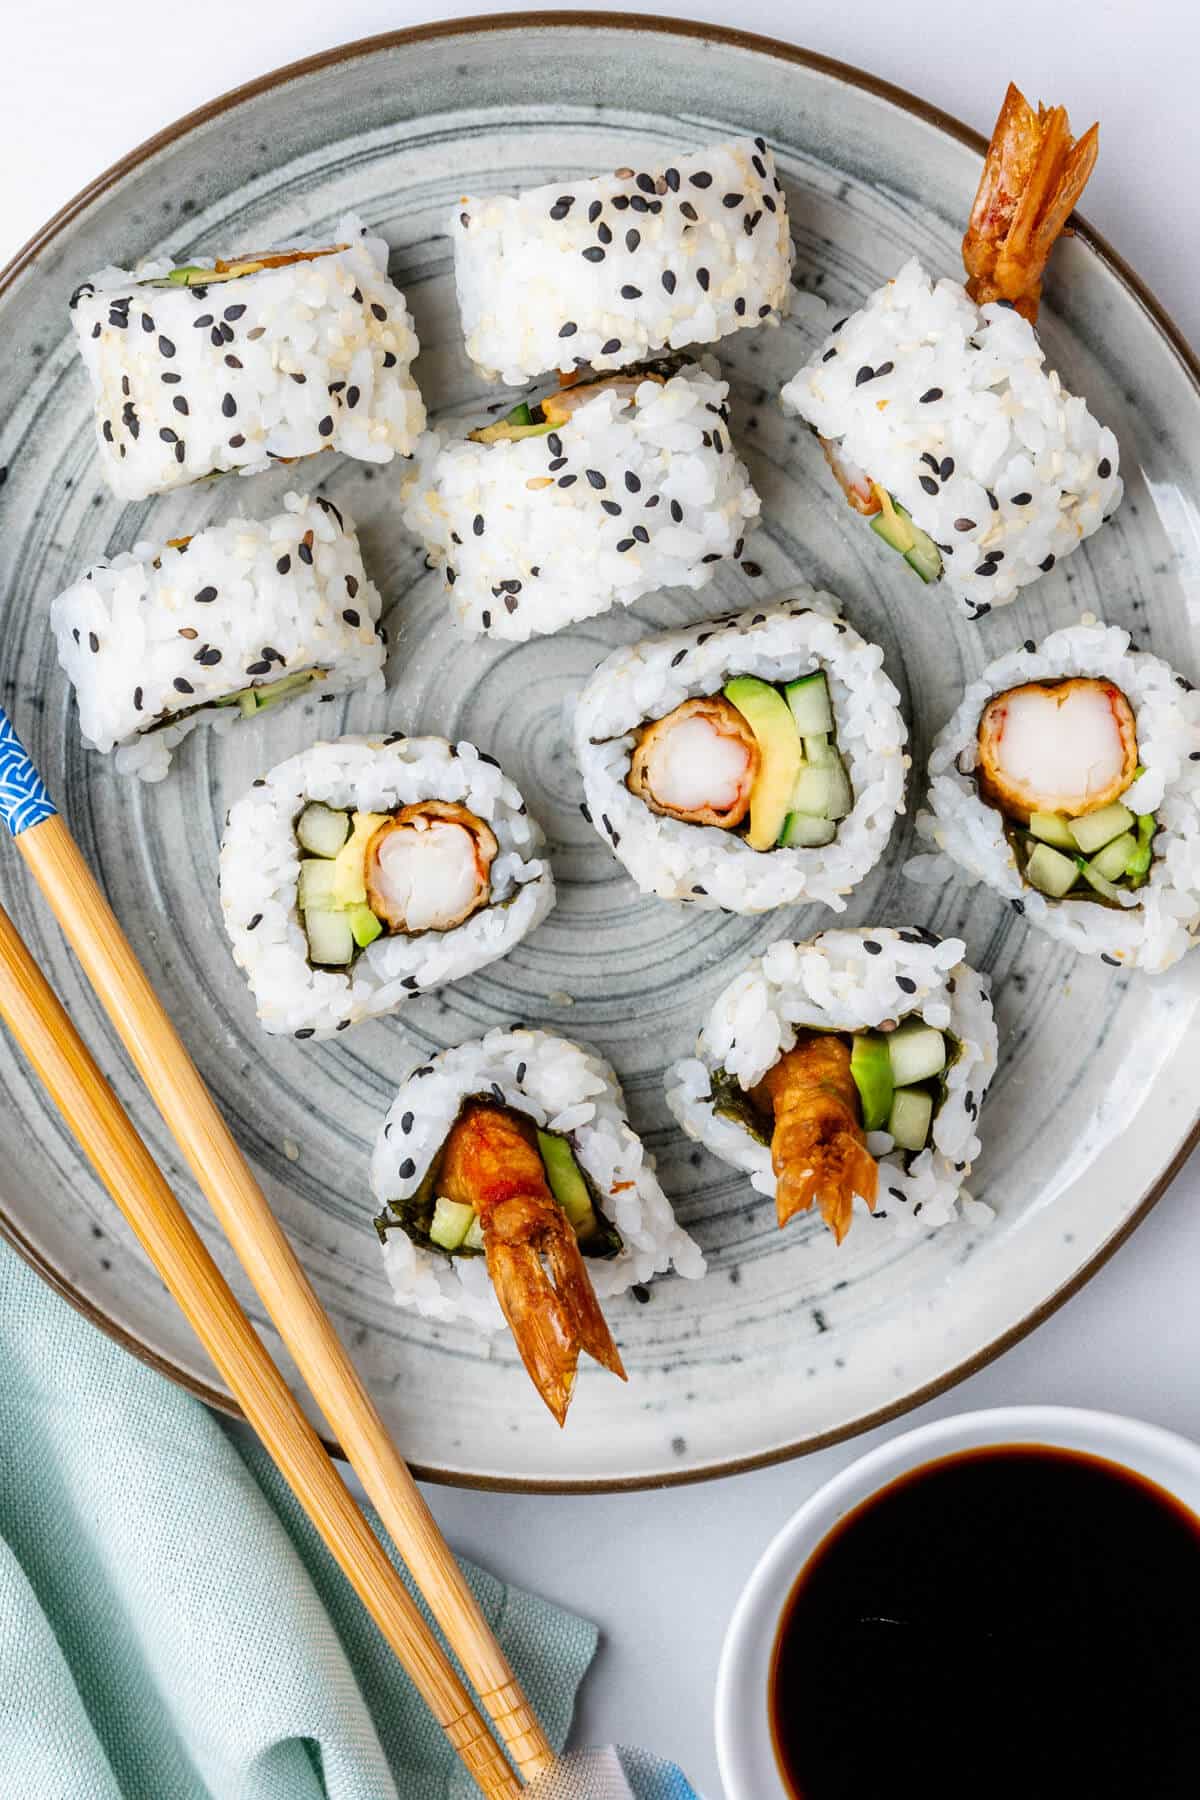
34, 1015
264, 1252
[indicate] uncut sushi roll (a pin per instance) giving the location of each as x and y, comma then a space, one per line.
217, 627
748, 762
1068, 781
585, 499
847, 1070
241, 362
933, 404
364, 871
503, 1152
608, 271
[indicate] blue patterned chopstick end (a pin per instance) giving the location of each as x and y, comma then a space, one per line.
23, 797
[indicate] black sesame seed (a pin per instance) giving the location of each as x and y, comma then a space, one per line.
1104, 468
568, 330
752, 569
167, 435
558, 211
351, 616
305, 1031
947, 468
992, 500
304, 552
451, 575
594, 254
986, 568
732, 199
930, 395
621, 202
353, 396
477, 524
625, 544
93, 642
905, 984
964, 524
739, 306
596, 478
689, 211
702, 276
209, 656
554, 444
203, 322
1021, 499
594, 211
183, 686
866, 373
604, 234
166, 347
1047, 565
871, 947
611, 347
641, 534
389, 359
929, 484
556, 463
629, 292
233, 312
205, 596
677, 512
611, 508
668, 281
180, 404
701, 179
325, 426
646, 183
565, 481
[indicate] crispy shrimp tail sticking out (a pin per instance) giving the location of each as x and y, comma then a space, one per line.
818, 1148
491, 1163
1032, 178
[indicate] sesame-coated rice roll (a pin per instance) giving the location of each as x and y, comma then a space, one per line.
609, 271
217, 627
587, 499
247, 360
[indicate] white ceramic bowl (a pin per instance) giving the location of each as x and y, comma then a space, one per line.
744, 1750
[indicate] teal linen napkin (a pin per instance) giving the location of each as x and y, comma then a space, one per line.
171, 1628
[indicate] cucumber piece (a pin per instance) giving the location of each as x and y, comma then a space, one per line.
823, 791
1113, 861
925, 558
322, 831
330, 940
916, 1051
809, 701
910, 1118
802, 832
520, 415
1099, 883
1050, 872
450, 1224
1053, 828
820, 750
191, 276
364, 926
1094, 830
474, 1238
1138, 866
871, 1067
895, 527
314, 890
769, 717
566, 1182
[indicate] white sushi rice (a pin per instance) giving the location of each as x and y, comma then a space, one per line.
701, 863
949, 406
260, 868
562, 1087
851, 981
1154, 925
618, 501
611, 270
239, 374
170, 629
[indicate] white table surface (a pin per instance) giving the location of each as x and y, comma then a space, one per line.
659, 1571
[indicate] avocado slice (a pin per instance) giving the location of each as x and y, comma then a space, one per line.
770, 718
349, 865
871, 1067
364, 926
894, 525
567, 1183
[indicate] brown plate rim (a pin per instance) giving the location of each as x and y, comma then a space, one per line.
944, 122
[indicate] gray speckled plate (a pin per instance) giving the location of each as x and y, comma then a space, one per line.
789, 1342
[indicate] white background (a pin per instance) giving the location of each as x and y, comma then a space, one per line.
81, 84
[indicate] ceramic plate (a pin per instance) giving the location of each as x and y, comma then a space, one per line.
789, 1342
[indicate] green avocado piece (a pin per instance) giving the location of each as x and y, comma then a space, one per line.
770, 718
364, 926
567, 1183
871, 1067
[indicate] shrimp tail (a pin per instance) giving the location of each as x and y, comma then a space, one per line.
540, 1323
1033, 176
818, 1147
576, 1293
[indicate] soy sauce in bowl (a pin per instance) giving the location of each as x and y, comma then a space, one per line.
1017, 1621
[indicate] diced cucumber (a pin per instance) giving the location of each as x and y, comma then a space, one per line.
450, 1224
566, 1181
1050, 872
871, 1067
809, 701
801, 832
820, 750
1113, 861
895, 527
1098, 882
314, 890
1094, 830
910, 1118
191, 276
273, 693
474, 1237
322, 831
925, 558
330, 940
364, 926
917, 1051
823, 791
1053, 828
247, 703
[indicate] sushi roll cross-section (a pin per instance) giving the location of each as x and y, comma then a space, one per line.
514, 1192
584, 499
239, 362
608, 271
849, 1069
216, 628
934, 408
747, 763
1069, 781
362, 872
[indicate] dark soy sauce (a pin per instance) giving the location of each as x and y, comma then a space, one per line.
1020, 1622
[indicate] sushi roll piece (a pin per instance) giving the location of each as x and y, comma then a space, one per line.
585, 499
1068, 781
513, 1191
609, 271
933, 404
239, 362
217, 627
849, 1069
750, 762
367, 870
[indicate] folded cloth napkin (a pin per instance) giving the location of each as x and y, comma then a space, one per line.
171, 1628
